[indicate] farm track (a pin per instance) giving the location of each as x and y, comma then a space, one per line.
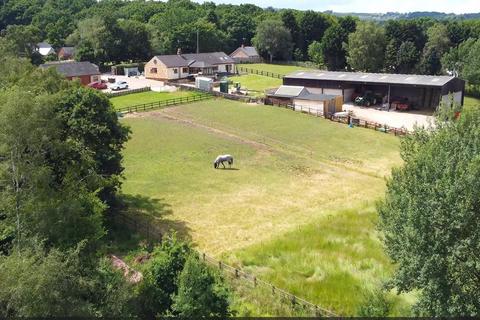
273, 145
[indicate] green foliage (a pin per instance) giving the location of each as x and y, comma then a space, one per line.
366, 48
155, 292
273, 39
201, 292
438, 43
332, 46
430, 217
40, 283
375, 304
315, 53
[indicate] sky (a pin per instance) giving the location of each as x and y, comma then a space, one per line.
368, 6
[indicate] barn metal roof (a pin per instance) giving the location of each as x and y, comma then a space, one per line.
375, 78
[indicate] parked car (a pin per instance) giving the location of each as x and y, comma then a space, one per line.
119, 85
99, 85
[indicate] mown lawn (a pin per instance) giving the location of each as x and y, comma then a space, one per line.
146, 97
256, 84
471, 102
276, 68
297, 210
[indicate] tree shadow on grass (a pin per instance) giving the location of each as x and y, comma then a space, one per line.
155, 213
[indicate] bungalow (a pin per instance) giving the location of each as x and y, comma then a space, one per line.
66, 53
181, 66
245, 54
84, 71
44, 49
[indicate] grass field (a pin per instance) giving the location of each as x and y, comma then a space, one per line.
297, 210
256, 84
276, 68
146, 97
471, 102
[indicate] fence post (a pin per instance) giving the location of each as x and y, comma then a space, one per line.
254, 281
236, 273
220, 265
203, 256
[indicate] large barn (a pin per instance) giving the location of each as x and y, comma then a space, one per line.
422, 92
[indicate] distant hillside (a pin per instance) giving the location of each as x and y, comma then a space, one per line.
410, 15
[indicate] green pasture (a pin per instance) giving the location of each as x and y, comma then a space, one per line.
276, 68
296, 209
147, 97
256, 84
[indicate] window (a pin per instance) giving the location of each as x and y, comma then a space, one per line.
185, 70
175, 70
95, 78
153, 70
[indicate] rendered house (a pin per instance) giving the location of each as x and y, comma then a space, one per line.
45, 49
84, 71
245, 54
181, 66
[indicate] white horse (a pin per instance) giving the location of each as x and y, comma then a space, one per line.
222, 159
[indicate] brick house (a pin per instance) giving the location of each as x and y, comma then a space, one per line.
84, 71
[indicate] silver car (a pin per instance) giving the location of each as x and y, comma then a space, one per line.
119, 85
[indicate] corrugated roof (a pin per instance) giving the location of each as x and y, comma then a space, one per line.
380, 78
316, 97
200, 59
72, 68
289, 91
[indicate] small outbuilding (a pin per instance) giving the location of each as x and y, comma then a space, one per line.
84, 71
245, 55
66, 53
301, 99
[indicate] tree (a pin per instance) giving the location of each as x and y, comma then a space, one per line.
315, 53
273, 39
312, 26
455, 60
135, 40
155, 292
438, 43
201, 293
40, 283
366, 48
407, 57
430, 216
332, 47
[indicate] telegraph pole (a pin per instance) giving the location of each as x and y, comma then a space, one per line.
198, 44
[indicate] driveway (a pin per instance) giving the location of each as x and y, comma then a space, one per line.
397, 119
133, 82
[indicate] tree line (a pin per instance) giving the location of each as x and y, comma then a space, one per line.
112, 31
60, 179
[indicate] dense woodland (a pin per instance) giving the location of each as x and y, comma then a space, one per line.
113, 31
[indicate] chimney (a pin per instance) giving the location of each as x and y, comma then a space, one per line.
179, 51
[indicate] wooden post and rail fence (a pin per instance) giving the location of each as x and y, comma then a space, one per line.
164, 103
153, 233
346, 120
260, 72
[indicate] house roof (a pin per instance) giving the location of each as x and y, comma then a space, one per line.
200, 60
72, 68
45, 48
376, 78
289, 91
68, 50
249, 51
